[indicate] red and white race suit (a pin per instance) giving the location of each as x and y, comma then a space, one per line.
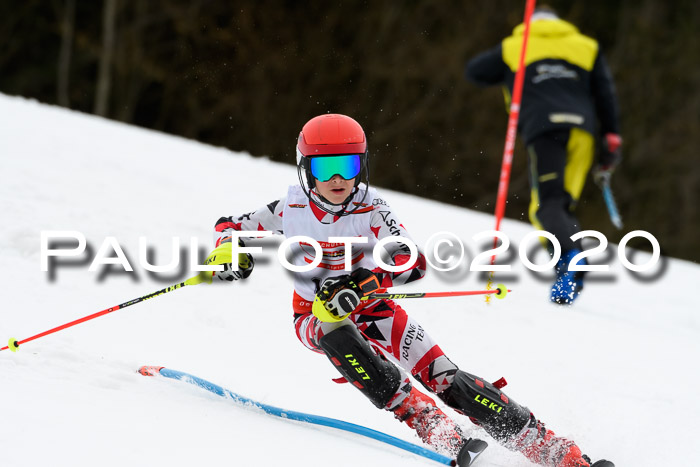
384, 323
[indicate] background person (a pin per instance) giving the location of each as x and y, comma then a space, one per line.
568, 97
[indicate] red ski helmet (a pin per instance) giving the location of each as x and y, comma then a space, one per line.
331, 135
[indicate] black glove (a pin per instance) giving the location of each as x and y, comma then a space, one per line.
243, 272
342, 294
222, 255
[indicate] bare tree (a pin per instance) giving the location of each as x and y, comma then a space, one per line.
64, 57
104, 77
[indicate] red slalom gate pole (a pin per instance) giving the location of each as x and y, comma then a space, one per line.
511, 132
512, 129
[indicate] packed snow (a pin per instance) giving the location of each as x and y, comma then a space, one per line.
617, 371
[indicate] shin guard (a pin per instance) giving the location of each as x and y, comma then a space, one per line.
377, 378
480, 400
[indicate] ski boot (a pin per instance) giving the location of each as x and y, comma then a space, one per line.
432, 425
569, 284
542, 447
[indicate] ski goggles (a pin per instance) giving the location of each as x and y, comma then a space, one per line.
324, 168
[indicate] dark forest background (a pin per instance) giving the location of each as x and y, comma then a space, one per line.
248, 74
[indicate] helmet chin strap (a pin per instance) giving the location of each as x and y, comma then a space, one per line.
343, 203
324, 202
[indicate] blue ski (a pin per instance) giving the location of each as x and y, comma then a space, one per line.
477, 445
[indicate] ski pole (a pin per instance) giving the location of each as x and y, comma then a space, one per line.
602, 179
500, 292
13, 344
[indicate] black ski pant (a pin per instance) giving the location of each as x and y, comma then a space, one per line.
558, 162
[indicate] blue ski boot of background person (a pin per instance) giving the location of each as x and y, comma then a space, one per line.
569, 284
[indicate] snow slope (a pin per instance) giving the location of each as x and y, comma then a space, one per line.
618, 371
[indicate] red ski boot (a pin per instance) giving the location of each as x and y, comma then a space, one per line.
543, 447
432, 425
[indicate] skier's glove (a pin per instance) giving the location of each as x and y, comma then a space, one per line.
223, 255
610, 154
340, 295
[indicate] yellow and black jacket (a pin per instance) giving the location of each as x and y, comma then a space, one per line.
567, 82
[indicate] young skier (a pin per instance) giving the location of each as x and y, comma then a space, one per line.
333, 199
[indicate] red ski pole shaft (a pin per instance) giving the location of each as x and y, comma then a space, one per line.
500, 292
13, 344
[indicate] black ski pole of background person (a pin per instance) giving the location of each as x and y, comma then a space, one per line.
602, 179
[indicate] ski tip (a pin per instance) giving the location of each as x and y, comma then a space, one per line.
12, 344
470, 451
148, 370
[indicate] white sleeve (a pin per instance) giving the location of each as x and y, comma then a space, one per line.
266, 218
384, 223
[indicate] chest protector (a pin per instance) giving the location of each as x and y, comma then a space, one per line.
299, 220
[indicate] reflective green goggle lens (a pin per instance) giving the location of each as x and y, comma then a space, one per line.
348, 167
